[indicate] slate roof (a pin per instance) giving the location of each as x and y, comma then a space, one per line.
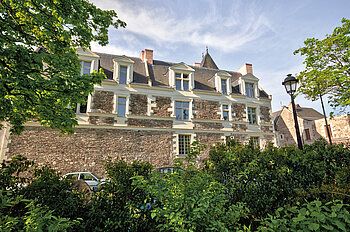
159, 73
208, 62
308, 113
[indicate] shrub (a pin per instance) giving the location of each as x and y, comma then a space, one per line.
313, 216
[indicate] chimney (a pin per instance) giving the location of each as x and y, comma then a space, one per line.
245, 69
197, 64
147, 54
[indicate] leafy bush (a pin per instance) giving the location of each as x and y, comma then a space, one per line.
189, 199
35, 218
275, 177
313, 216
116, 206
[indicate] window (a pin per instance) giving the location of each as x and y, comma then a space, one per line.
184, 144
182, 81
123, 74
85, 67
281, 136
249, 89
225, 112
223, 86
80, 108
252, 115
182, 110
121, 106
307, 134
255, 140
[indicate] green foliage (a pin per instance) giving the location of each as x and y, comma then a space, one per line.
269, 179
41, 85
35, 218
313, 216
117, 206
327, 66
189, 199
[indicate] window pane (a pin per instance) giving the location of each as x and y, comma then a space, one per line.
121, 106
185, 76
122, 75
185, 104
86, 71
225, 115
185, 114
178, 84
223, 86
177, 75
249, 89
178, 104
87, 64
83, 108
178, 112
225, 107
185, 85
184, 144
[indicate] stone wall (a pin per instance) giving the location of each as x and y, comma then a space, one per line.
138, 104
100, 120
150, 123
340, 128
265, 115
208, 139
102, 102
162, 106
239, 127
87, 148
204, 109
208, 125
238, 112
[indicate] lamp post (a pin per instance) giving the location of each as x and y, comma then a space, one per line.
290, 83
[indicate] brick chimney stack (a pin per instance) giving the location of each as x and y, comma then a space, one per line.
197, 64
147, 54
245, 69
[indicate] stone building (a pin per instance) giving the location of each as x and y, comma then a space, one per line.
151, 110
311, 126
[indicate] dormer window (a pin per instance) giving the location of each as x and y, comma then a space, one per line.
223, 82
85, 67
223, 86
182, 81
123, 70
249, 89
181, 77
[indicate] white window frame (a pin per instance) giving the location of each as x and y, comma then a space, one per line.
256, 115
182, 80
189, 109
191, 136
182, 69
219, 78
252, 89
116, 98
123, 61
228, 110
82, 62
256, 137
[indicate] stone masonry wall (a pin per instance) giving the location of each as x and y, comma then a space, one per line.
208, 139
99, 120
208, 125
239, 127
150, 123
138, 104
87, 148
102, 102
238, 112
265, 115
162, 106
206, 109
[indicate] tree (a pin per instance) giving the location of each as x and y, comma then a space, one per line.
327, 68
41, 84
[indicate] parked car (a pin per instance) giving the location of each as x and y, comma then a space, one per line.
92, 180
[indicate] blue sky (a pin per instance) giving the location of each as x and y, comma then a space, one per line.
264, 33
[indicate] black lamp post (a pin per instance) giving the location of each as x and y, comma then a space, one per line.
290, 83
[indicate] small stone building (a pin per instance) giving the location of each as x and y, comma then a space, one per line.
311, 126
151, 110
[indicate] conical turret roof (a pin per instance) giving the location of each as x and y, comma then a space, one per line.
208, 62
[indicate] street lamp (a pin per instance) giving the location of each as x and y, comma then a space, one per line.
290, 83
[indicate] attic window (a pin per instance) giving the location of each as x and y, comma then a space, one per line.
249, 89
182, 81
223, 86
85, 67
123, 74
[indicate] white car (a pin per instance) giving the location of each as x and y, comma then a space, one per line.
92, 180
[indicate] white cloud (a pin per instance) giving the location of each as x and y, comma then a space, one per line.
113, 49
226, 32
